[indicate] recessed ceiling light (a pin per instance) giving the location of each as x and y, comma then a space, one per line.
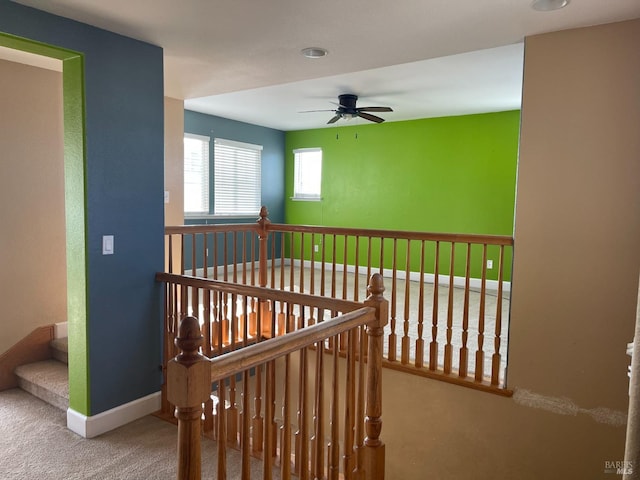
314, 52
548, 5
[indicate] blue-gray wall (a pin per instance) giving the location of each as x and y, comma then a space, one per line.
272, 142
124, 192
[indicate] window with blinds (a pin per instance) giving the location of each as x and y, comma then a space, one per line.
196, 174
237, 177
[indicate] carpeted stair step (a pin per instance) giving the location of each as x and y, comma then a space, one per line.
60, 349
47, 380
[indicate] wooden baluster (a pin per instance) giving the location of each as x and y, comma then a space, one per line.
222, 431
350, 406
193, 255
245, 432
285, 442
182, 254
225, 258
217, 343
374, 447
464, 351
322, 267
169, 336
301, 468
291, 263
263, 235
234, 257
333, 267
215, 256
334, 446
232, 410
448, 348
252, 243
381, 271
312, 273
301, 281
207, 349
257, 420
433, 346
393, 338
244, 258
273, 261
169, 265
496, 358
407, 297
269, 422
192, 369
226, 339
345, 266
358, 473
205, 256
369, 248
419, 360
483, 290
317, 440
356, 282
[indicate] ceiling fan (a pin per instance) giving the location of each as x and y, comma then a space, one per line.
347, 109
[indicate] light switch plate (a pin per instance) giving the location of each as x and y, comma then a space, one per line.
107, 244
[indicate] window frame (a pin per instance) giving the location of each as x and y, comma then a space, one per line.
297, 165
206, 175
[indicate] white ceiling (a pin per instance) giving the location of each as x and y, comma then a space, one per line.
240, 58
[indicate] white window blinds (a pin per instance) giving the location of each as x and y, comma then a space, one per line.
237, 177
196, 174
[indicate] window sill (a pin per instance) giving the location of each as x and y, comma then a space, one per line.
306, 199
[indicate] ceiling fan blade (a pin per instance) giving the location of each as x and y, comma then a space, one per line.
375, 109
370, 117
312, 111
334, 119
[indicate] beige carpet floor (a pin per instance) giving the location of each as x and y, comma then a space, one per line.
36, 444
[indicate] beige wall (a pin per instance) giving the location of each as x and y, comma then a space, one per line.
174, 168
174, 160
575, 284
32, 232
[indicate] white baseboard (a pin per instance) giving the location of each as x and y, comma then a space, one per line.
89, 427
387, 274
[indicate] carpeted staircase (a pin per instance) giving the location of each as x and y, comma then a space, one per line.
48, 379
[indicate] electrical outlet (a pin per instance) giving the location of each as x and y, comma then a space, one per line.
489, 264
316, 248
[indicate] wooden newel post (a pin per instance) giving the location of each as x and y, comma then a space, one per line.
373, 446
263, 235
188, 387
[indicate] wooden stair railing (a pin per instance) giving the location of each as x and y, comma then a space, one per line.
449, 302
190, 376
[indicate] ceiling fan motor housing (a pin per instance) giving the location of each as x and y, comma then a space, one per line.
347, 103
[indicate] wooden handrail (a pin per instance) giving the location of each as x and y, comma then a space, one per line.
326, 303
263, 352
349, 231
399, 234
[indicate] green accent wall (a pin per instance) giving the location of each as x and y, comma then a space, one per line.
448, 175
